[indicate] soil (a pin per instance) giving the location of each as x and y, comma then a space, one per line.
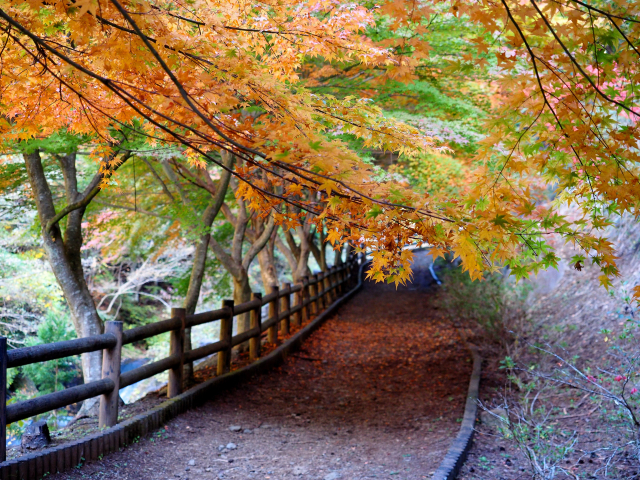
567, 311
492, 457
377, 392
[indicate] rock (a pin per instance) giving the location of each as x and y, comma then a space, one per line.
246, 430
332, 476
492, 418
191, 463
208, 469
220, 448
298, 470
36, 436
266, 426
235, 428
231, 446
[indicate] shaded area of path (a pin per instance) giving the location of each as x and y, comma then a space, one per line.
377, 392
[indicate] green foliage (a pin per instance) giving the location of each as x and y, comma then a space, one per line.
134, 313
460, 134
38, 286
28, 288
544, 446
495, 304
58, 143
12, 374
448, 96
52, 376
433, 173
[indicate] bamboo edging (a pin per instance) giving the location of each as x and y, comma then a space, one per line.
93, 447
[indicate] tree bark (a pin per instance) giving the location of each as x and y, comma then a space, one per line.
200, 256
319, 251
267, 260
297, 255
238, 264
337, 256
64, 255
241, 294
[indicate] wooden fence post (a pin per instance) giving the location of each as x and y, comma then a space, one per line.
320, 306
176, 347
340, 278
256, 321
315, 288
306, 294
272, 332
3, 399
298, 299
326, 285
108, 413
332, 283
346, 274
285, 306
226, 334
353, 270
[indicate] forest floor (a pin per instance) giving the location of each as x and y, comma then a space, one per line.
568, 312
377, 392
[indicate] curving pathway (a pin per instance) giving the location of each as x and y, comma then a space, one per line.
377, 392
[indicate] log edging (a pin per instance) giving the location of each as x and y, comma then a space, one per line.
457, 453
93, 447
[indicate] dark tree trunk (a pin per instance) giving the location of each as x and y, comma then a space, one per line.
200, 257
64, 255
267, 260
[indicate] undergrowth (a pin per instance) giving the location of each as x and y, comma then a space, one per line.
568, 416
491, 311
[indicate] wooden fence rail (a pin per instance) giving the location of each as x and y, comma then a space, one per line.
310, 298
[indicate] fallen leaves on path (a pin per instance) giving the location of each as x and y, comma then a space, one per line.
377, 391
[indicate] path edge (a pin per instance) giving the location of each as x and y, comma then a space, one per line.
457, 453
94, 447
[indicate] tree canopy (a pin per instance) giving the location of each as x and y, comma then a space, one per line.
302, 92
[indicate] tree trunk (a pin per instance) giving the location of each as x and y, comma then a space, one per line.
337, 256
323, 248
267, 260
297, 255
200, 257
242, 294
319, 251
302, 268
64, 255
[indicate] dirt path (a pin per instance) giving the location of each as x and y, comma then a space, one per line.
377, 392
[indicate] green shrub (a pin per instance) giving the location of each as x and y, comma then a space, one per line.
495, 304
52, 376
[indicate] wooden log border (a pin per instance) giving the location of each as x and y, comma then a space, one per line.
91, 448
457, 454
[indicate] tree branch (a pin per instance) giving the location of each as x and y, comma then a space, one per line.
259, 243
131, 209
86, 200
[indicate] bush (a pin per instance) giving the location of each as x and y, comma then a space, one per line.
53, 375
493, 307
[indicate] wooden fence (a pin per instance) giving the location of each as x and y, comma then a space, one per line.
311, 297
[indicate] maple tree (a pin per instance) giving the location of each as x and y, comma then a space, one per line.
83, 88
63, 244
226, 76
564, 115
